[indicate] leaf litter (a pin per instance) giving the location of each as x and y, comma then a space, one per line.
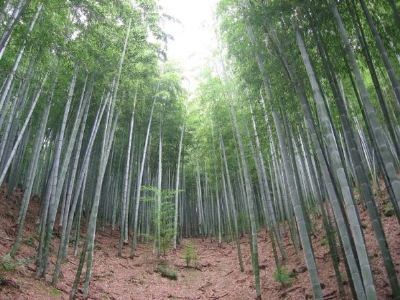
216, 276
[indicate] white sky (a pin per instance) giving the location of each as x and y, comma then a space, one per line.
194, 38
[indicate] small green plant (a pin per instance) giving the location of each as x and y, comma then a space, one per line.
143, 279
29, 242
190, 255
167, 272
343, 277
8, 264
374, 255
324, 241
330, 232
283, 276
357, 194
166, 228
388, 210
55, 292
313, 208
162, 217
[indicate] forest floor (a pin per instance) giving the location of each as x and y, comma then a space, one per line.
217, 275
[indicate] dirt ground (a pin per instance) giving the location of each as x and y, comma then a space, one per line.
217, 275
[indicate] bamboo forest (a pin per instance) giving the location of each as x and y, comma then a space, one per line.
276, 177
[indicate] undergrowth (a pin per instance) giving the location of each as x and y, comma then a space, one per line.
283, 276
167, 272
190, 255
7, 264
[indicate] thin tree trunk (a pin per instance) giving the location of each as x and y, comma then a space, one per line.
377, 133
231, 202
249, 197
124, 207
159, 189
81, 182
374, 76
31, 176
22, 131
294, 196
178, 168
362, 178
85, 101
382, 51
341, 176
10, 78
139, 182
55, 190
18, 11
266, 187
110, 126
327, 176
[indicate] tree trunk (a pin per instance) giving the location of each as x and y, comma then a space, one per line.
178, 169
377, 133
139, 182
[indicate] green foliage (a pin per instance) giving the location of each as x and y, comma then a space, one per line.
8, 264
190, 255
283, 276
357, 195
165, 219
325, 240
313, 208
388, 210
343, 277
29, 242
166, 225
243, 223
55, 292
153, 190
167, 272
